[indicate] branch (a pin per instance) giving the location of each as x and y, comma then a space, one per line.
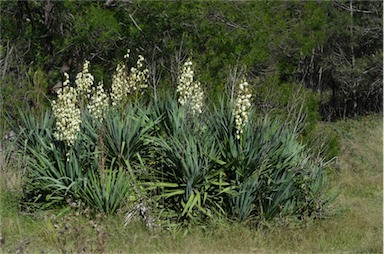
229, 23
6, 60
134, 22
347, 8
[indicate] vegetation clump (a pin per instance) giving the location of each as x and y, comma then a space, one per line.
190, 156
178, 170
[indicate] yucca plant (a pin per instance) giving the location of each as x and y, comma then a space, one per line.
56, 172
193, 166
52, 172
243, 198
36, 133
160, 109
108, 193
315, 186
189, 182
120, 150
170, 116
267, 168
124, 134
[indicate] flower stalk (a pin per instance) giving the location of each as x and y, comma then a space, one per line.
242, 106
67, 113
99, 102
84, 81
124, 84
190, 92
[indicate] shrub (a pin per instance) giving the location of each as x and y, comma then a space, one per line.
52, 172
287, 100
107, 193
188, 177
205, 169
182, 162
86, 171
268, 169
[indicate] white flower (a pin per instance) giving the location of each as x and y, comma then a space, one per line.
242, 106
67, 113
191, 94
119, 84
124, 84
99, 102
126, 56
84, 82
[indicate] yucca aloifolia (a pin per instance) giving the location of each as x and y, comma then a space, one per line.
225, 161
190, 92
124, 83
267, 169
190, 181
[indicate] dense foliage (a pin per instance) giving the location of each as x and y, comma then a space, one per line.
188, 170
216, 116
168, 161
331, 47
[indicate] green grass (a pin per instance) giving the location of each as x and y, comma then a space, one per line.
354, 225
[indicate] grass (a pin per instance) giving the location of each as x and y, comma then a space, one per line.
354, 225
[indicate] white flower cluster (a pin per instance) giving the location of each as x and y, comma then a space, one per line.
190, 91
119, 84
122, 84
84, 82
99, 102
68, 115
138, 78
242, 106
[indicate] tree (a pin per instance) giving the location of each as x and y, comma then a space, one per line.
347, 69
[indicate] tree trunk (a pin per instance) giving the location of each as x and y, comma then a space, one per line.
354, 82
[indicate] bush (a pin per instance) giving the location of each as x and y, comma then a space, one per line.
188, 177
268, 169
94, 170
170, 157
291, 102
52, 172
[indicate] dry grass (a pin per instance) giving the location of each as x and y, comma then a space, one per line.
355, 225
